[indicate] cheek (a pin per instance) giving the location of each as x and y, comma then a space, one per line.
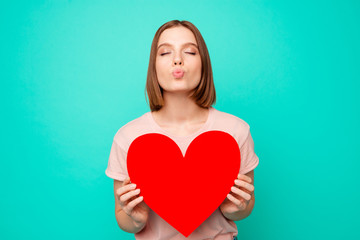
197, 65
160, 73
160, 66
197, 62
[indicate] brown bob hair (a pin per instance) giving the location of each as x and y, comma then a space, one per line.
204, 94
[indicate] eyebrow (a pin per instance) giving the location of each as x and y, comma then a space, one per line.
185, 44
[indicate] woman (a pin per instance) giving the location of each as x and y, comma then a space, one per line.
181, 93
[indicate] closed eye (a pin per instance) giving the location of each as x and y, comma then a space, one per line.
192, 53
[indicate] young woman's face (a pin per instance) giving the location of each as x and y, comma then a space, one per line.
178, 62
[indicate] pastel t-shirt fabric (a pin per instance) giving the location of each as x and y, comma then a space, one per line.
216, 226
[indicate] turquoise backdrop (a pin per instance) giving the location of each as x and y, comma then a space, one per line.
73, 72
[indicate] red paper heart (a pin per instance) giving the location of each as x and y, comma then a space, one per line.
184, 191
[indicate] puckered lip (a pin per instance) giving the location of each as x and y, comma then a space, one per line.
178, 70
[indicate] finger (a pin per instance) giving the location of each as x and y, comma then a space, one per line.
246, 185
244, 177
126, 181
125, 189
234, 200
129, 195
241, 193
133, 204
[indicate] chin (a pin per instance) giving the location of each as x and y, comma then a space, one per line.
178, 90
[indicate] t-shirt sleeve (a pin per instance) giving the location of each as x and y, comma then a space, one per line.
116, 168
249, 160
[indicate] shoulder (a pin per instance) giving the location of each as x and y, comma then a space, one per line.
231, 119
131, 130
232, 124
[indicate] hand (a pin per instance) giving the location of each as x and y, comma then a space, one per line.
132, 204
242, 191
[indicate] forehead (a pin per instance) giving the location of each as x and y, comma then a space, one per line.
176, 35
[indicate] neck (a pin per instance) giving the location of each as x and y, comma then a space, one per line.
180, 109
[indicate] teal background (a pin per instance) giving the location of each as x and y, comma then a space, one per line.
73, 72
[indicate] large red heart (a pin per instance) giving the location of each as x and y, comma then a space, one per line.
184, 191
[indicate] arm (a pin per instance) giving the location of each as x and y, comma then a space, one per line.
230, 209
125, 222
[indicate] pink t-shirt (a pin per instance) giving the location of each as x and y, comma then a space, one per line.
216, 226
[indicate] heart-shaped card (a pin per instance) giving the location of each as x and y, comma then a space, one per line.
184, 191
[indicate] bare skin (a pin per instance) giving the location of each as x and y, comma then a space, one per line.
180, 114
241, 199
130, 202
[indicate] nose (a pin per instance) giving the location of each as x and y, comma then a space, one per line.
177, 60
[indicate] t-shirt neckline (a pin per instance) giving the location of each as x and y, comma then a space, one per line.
203, 127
